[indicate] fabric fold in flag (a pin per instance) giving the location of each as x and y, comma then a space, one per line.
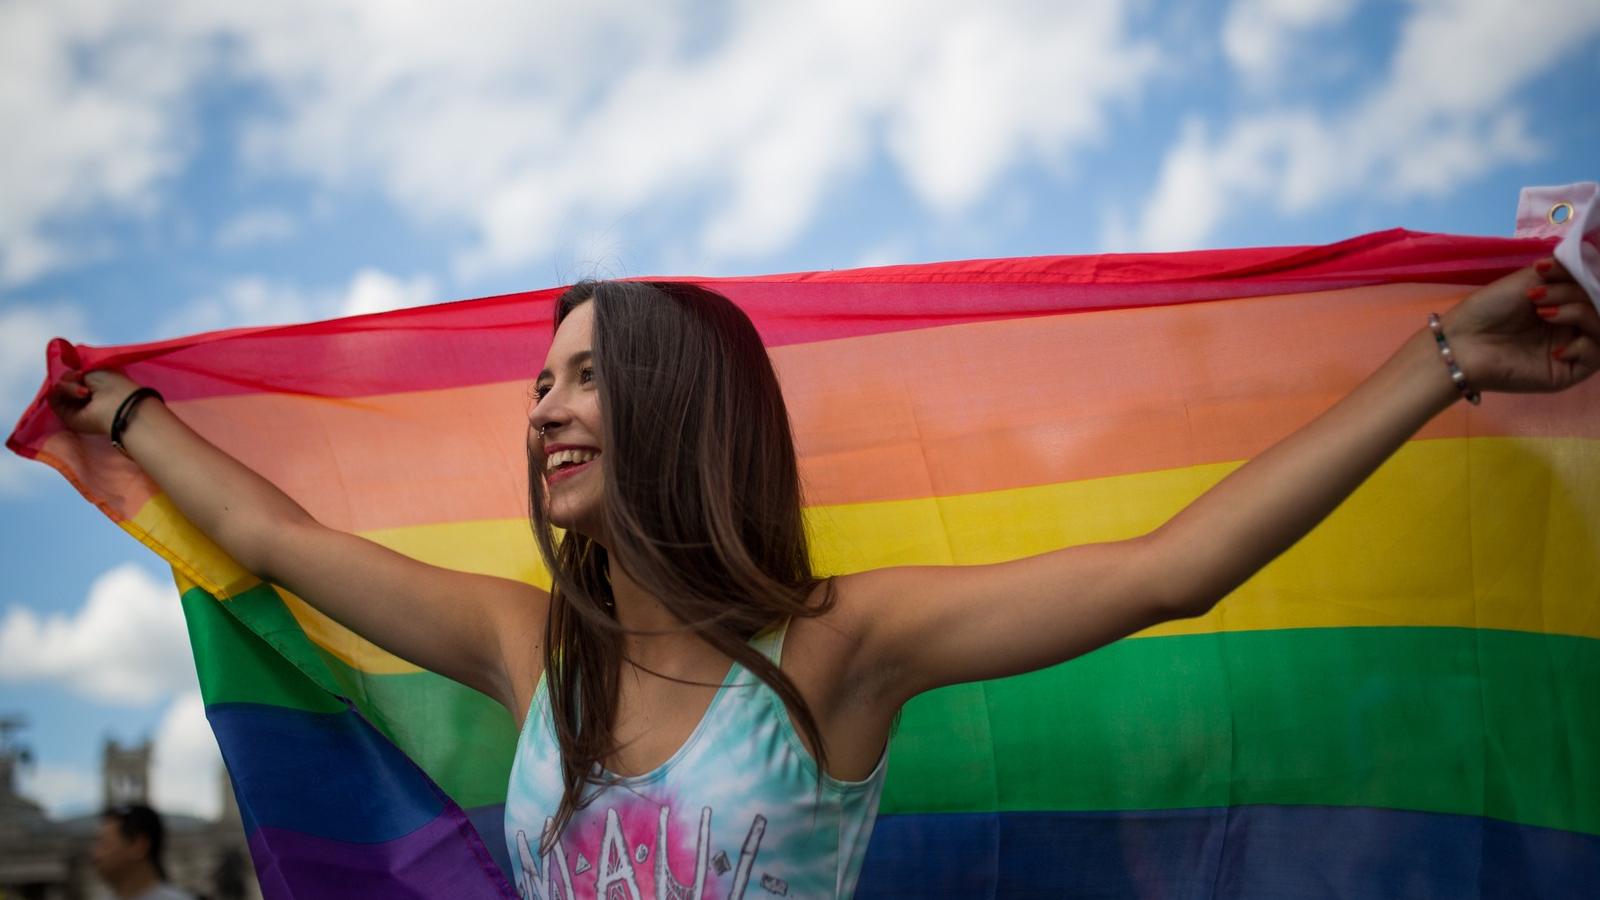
1401, 703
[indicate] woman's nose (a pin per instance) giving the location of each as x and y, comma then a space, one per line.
547, 414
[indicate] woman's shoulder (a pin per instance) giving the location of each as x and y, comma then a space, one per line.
826, 643
845, 604
827, 658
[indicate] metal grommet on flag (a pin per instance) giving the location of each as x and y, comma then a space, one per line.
1570, 213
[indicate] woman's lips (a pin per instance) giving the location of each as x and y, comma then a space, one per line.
565, 472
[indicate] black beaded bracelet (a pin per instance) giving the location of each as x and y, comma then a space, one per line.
1457, 377
119, 422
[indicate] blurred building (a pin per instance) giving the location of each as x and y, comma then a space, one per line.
48, 859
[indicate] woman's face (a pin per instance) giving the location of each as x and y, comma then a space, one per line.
567, 411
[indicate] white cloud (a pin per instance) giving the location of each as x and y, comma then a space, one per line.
127, 645
245, 300
86, 132
888, 252
25, 330
794, 101
258, 226
61, 790
1275, 161
1443, 115
998, 84
374, 291
186, 766
253, 301
522, 125
1259, 35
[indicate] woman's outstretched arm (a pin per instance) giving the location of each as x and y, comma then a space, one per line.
476, 629
922, 627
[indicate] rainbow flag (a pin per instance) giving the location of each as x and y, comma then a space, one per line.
1403, 704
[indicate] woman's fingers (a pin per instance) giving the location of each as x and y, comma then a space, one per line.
68, 398
1586, 317
70, 385
1551, 271
1565, 304
69, 394
1583, 353
1555, 294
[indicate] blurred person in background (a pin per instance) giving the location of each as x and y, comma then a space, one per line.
127, 854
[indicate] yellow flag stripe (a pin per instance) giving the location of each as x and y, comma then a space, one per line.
1468, 533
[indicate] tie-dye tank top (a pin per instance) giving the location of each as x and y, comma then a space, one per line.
736, 812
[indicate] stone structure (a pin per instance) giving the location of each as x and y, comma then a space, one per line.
48, 859
125, 773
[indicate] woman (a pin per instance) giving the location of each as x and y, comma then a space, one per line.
649, 756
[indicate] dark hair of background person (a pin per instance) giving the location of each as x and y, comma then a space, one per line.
702, 506
137, 820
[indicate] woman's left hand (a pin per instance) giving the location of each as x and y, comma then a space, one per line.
1532, 331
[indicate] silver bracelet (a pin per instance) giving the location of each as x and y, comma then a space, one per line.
1457, 377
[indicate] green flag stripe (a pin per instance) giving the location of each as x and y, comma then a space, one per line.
1452, 720
461, 738
1475, 722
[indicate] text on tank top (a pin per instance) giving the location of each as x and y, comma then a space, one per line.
738, 810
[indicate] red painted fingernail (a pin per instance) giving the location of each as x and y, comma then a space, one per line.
1548, 312
1537, 292
1543, 266
1557, 352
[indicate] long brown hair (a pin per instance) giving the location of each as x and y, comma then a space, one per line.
702, 506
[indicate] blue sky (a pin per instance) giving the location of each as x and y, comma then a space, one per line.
172, 167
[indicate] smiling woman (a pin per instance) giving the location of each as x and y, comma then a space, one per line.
677, 552
699, 711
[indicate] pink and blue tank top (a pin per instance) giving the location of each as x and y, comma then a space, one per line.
740, 810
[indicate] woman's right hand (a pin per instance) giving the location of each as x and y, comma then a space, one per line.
87, 401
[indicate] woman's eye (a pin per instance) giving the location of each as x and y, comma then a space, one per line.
585, 375
539, 390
